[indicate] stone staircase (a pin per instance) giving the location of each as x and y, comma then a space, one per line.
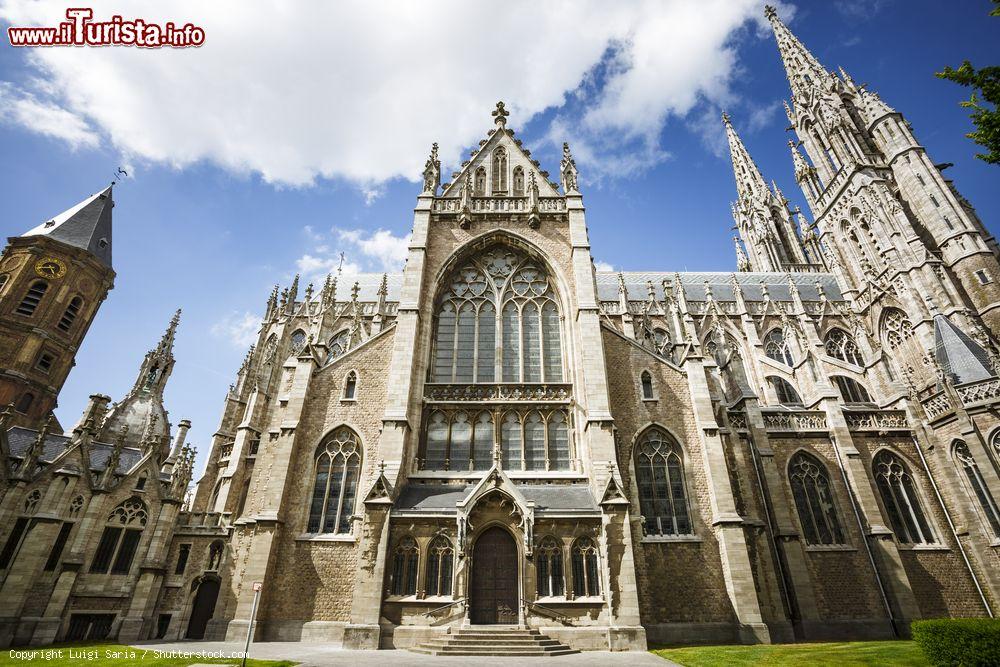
493, 640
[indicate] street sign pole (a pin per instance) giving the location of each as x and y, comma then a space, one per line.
253, 617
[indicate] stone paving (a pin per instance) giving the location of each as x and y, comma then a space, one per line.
316, 654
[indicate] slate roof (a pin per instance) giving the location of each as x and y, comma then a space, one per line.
958, 355
86, 226
20, 439
575, 497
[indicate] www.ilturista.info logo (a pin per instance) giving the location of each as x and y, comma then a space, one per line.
80, 30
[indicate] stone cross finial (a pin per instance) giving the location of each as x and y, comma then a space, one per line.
381, 466
500, 115
355, 291
725, 118
567, 169
770, 12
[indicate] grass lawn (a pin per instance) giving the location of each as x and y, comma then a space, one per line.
116, 655
827, 653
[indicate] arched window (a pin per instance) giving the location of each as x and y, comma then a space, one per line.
851, 391
896, 328
500, 170
216, 489
244, 492
776, 347
661, 342
350, 386
298, 340
814, 500
662, 493
24, 402
404, 567
338, 465
732, 373
518, 184
120, 538
840, 345
480, 182
4, 277
784, 390
586, 580
964, 459
32, 298
646, 380
549, 564
899, 497
500, 292
440, 560
69, 315
339, 344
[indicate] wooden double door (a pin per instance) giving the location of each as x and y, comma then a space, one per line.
493, 593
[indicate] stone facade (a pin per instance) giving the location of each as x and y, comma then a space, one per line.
806, 448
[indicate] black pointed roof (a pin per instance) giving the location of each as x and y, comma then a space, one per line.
962, 358
86, 226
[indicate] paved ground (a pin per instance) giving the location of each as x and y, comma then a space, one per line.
310, 654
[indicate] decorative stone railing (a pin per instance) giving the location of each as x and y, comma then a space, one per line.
203, 520
977, 392
737, 420
509, 392
802, 420
795, 267
876, 420
500, 205
936, 405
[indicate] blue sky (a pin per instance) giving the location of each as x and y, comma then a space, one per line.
250, 162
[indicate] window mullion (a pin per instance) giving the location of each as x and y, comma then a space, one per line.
343, 490
326, 493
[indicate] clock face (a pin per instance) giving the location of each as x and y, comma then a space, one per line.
50, 267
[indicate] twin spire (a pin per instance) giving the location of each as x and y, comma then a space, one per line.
804, 71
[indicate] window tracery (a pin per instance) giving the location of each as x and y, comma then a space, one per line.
500, 170
813, 498
840, 345
900, 499
339, 344
549, 561
404, 567
440, 563
963, 457
776, 347
662, 492
896, 328
586, 580
783, 389
338, 465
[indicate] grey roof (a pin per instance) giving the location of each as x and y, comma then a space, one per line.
958, 355
20, 439
547, 497
86, 226
721, 284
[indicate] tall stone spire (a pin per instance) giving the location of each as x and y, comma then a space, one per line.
159, 361
749, 181
803, 70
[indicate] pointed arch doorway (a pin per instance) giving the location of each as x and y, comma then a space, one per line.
494, 597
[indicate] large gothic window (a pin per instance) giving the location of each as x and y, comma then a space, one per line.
840, 345
784, 390
900, 499
586, 580
964, 459
549, 561
404, 567
662, 494
776, 347
498, 321
120, 538
896, 328
528, 440
814, 500
851, 391
338, 465
440, 559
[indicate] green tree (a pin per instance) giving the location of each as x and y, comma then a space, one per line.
984, 101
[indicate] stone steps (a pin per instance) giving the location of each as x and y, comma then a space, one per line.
499, 641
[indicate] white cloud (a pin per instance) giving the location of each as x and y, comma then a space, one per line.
378, 82
240, 329
603, 266
44, 117
378, 251
759, 117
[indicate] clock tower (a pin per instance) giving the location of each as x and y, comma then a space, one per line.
53, 279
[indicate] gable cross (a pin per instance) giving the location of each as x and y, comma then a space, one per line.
500, 115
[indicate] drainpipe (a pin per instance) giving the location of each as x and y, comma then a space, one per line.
951, 527
864, 539
784, 581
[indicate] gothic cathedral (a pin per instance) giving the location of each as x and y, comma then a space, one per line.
502, 436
